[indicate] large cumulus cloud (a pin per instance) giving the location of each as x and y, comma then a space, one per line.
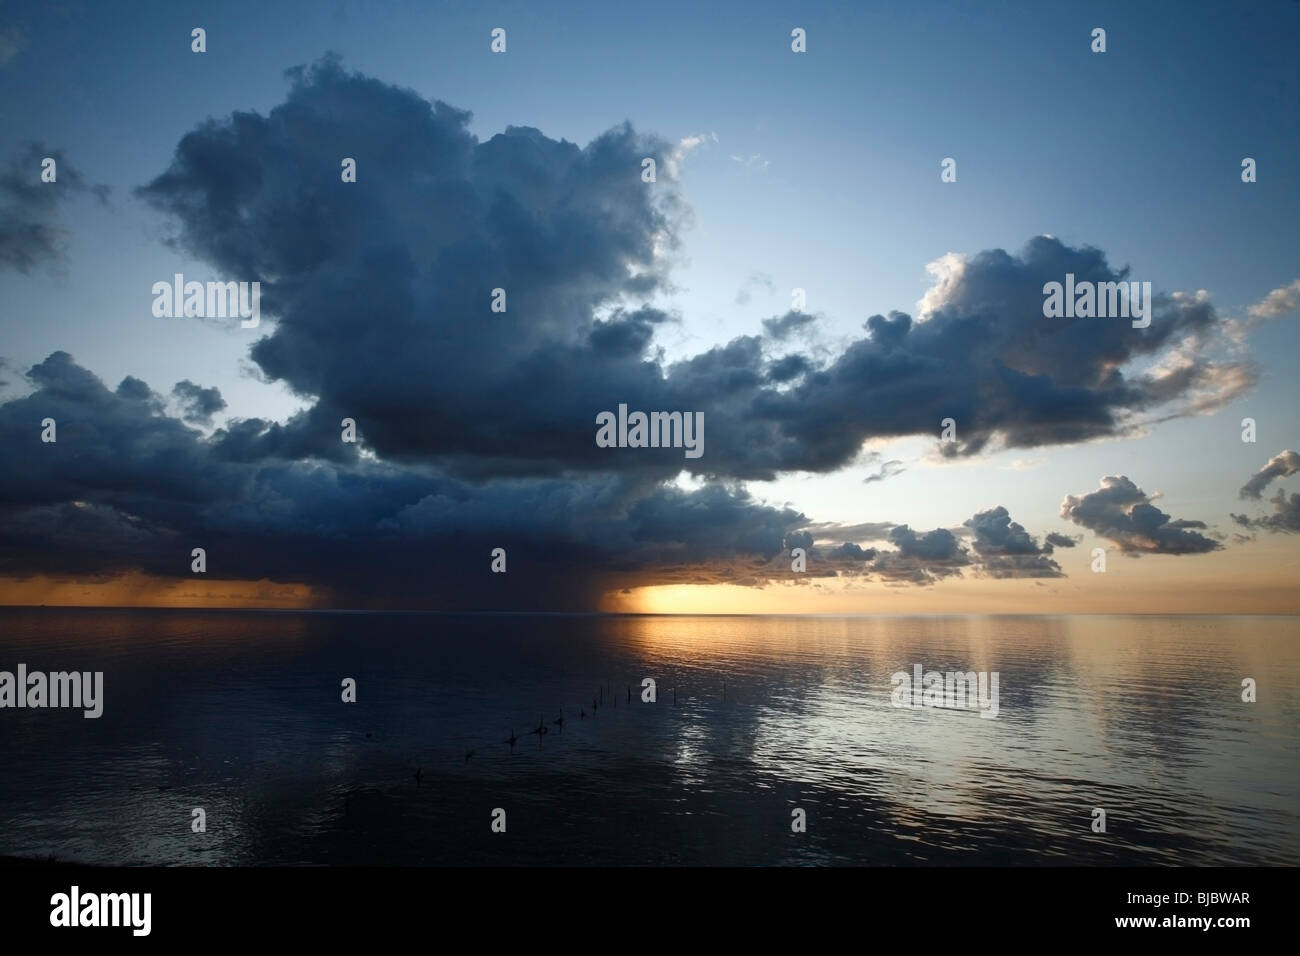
382, 289
381, 292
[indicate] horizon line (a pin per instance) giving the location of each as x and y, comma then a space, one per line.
497, 613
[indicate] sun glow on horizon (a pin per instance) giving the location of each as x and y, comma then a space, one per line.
135, 589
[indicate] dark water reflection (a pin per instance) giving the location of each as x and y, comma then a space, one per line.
240, 714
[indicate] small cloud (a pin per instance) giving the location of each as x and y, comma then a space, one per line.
674, 160
920, 558
1058, 540
752, 163
1286, 511
1279, 302
1282, 465
783, 326
1285, 517
1025, 464
1006, 550
756, 280
888, 469
1123, 514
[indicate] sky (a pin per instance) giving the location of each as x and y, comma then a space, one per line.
775, 171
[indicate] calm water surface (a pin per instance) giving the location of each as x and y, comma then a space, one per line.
240, 714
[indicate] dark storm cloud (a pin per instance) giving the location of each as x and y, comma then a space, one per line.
1006, 550
476, 428
127, 487
1122, 513
1282, 465
198, 404
1058, 540
984, 356
112, 447
30, 231
381, 291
